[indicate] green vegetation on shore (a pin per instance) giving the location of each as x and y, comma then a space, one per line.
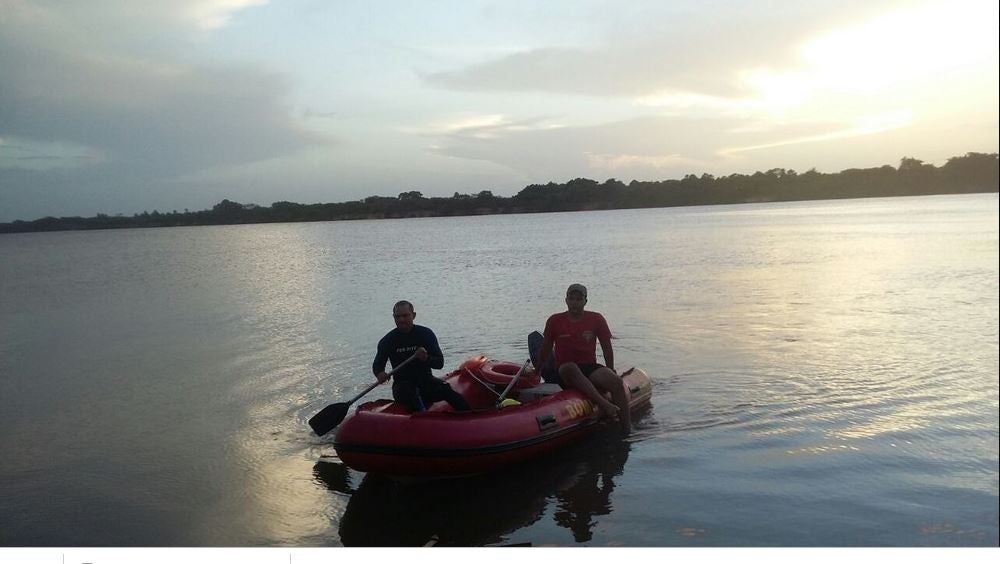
970, 173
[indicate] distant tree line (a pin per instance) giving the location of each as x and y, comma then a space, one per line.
972, 172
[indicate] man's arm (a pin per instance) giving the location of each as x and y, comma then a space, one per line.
604, 336
547, 342
435, 358
608, 351
381, 357
543, 356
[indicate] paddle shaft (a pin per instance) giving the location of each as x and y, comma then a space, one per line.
376, 383
389, 373
363, 392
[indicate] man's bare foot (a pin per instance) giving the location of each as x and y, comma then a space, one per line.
611, 411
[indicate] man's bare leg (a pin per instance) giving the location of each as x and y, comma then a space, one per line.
605, 379
574, 378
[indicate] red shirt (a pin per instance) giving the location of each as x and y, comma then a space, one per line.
576, 341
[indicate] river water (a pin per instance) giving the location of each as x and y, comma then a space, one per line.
825, 374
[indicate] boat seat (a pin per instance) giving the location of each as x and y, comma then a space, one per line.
538, 392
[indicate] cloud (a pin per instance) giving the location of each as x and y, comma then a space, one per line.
862, 126
483, 126
613, 163
628, 72
649, 147
660, 48
630, 61
214, 14
786, 83
114, 19
138, 112
86, 103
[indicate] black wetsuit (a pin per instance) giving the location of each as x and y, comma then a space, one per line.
414, 385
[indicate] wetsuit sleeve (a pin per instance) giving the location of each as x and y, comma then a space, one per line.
381, 356
435, 358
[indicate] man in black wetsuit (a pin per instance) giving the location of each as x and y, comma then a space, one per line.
414, 386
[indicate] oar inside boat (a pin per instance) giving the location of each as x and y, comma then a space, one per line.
512, 382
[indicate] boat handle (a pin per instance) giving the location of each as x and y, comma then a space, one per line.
545, 421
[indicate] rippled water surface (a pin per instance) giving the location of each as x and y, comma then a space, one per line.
825, 374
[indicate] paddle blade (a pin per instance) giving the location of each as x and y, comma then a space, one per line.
535, 343
330, 416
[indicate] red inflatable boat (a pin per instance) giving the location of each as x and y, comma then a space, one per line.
382, 437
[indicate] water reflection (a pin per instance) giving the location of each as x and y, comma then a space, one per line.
588, 492
481, 510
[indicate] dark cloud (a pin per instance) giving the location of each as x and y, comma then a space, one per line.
147, 118
146, 114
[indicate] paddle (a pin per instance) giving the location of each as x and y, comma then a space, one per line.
331, 415
535, 343
513, 381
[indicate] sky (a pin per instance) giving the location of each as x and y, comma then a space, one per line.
141, 105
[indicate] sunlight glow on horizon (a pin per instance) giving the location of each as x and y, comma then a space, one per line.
901, 45
863, 67
863, 60
882, 54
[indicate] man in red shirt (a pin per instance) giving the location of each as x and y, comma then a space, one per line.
575, 334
